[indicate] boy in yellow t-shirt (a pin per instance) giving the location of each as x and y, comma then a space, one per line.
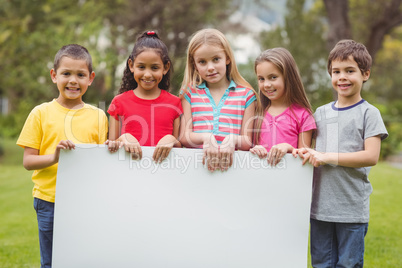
56, 125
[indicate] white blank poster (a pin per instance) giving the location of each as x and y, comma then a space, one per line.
112, 211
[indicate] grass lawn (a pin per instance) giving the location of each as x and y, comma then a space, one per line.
19, 245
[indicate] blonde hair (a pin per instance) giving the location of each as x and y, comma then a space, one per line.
294, 89
210, 37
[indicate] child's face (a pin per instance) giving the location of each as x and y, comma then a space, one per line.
211, 62
271, 81
347, 80
148, 70
72, 79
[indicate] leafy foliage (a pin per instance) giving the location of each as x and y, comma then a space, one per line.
305, 35
32, 32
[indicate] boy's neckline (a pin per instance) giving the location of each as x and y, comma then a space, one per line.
346, 107
70, 106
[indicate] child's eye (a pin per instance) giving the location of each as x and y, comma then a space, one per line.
335, 72
81, 75
261, 79
155, 68
65, 73
216, 59
273, 77
201, 62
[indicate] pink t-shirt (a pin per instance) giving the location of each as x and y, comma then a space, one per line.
286, 127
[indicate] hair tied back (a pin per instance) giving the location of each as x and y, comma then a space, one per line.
151, 33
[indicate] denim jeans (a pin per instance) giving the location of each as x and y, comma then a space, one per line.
45, 216
335, 244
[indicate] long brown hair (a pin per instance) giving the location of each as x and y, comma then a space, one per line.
294, 89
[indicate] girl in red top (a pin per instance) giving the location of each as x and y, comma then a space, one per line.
145, 113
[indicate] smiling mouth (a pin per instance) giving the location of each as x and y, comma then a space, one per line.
270, 91
72, 89
344, 86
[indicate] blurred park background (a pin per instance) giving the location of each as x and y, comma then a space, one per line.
31, 32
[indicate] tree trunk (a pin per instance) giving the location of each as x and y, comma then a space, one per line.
339, 25
340, 28
391, 18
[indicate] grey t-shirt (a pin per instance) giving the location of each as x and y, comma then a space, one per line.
341, 194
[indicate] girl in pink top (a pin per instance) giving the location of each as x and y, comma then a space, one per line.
286, 122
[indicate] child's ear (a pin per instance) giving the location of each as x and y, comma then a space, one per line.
130, 63
166, 68
366, 75
53, 76
91, 78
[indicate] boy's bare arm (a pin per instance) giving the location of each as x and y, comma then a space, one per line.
365, 158
33, 161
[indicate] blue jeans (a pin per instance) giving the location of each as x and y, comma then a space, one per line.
45, 216
335, 244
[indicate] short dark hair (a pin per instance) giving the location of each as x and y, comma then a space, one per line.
345, 48
75, 52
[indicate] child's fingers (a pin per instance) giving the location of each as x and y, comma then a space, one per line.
271, 157
260, 151
135, 152
224, 161
165, 153
156, 154
139, 152
66, 144
161, 153
278, 158
213, 161
70, 144
306, 158
112, 146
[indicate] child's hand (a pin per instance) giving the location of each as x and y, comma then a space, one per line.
260, 151
315, 158
113, 146
211, 153
163, 148
277, 152
63, 144
226, 151
131, 145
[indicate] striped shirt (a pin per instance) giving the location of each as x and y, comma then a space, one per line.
224, 118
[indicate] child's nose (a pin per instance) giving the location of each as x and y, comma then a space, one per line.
73, 79
147, 73
342, 75
211, 66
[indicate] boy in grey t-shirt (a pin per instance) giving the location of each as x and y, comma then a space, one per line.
348, 143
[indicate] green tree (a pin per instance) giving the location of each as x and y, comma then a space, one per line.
302, 35
174, 20
311, 32
32, 32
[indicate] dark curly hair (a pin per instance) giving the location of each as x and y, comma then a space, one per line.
147, 40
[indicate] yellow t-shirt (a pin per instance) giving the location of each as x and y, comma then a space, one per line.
47, 125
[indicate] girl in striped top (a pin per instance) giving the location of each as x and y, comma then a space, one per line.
218, 103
